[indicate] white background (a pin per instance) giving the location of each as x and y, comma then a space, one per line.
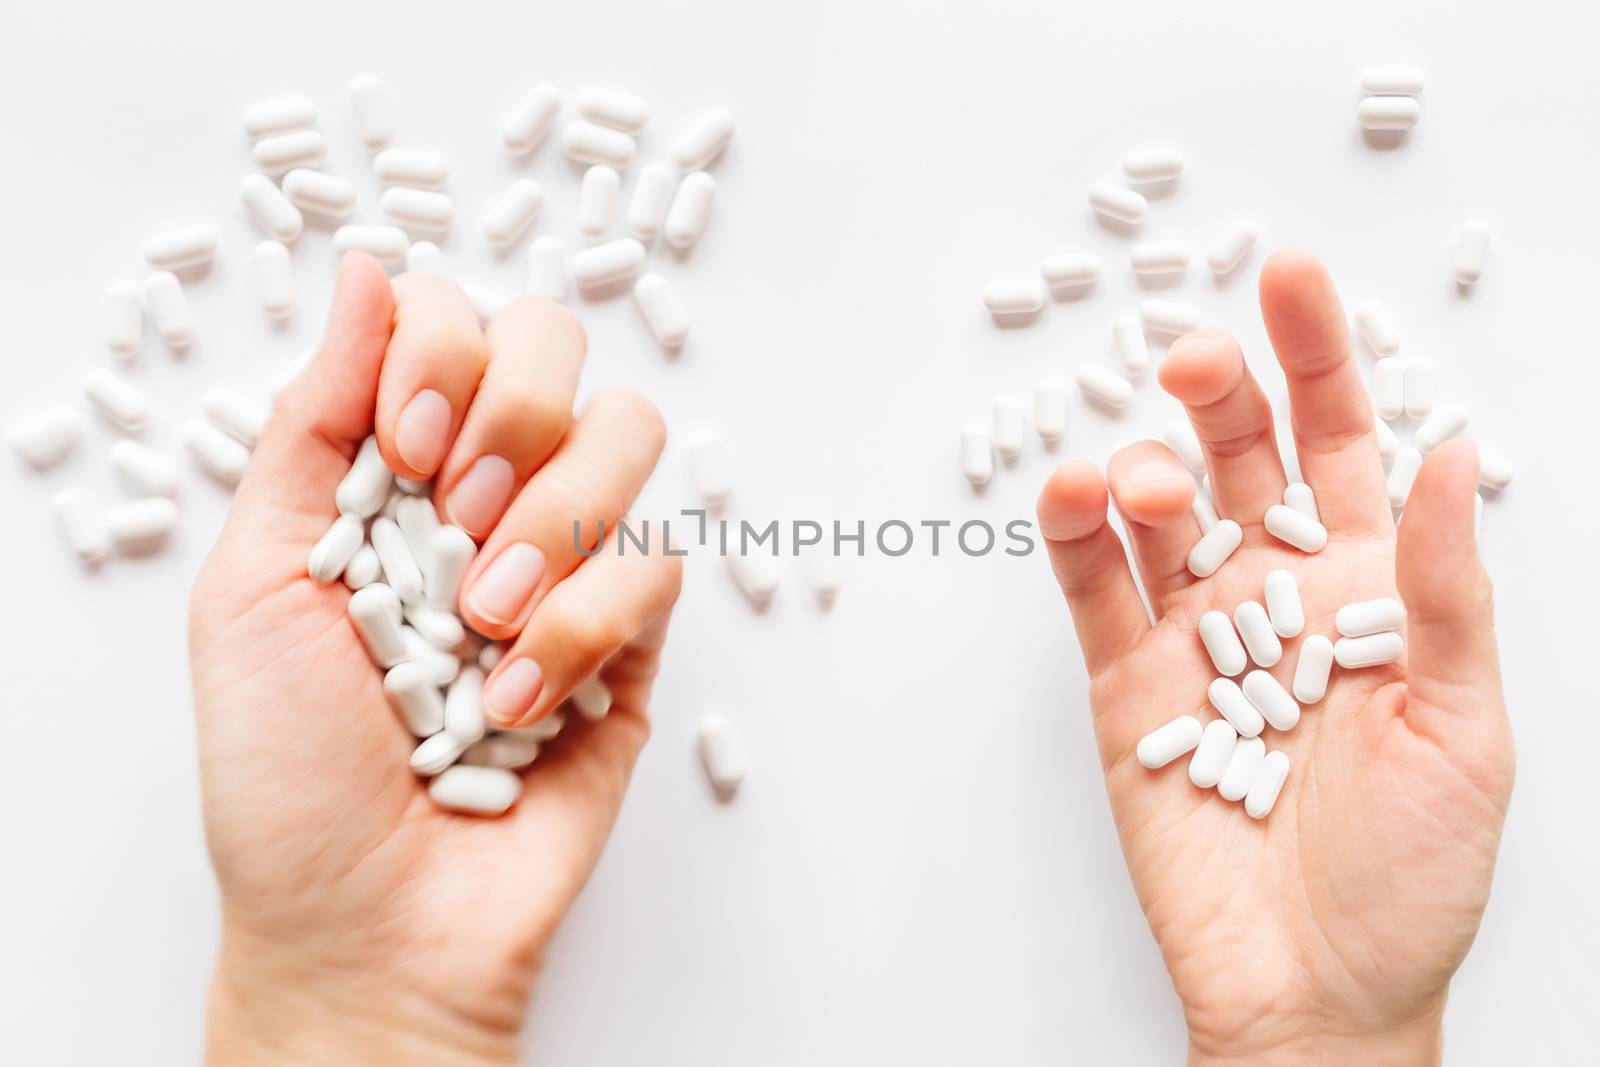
921, 867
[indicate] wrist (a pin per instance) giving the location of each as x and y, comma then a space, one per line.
1415, 1042
267, 1008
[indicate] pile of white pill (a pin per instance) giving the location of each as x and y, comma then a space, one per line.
1389, 104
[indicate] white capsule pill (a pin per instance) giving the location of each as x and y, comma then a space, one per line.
1204, 513
1159, 257
1377, 329
1369, 617
1284, 608
1420, 388
710, 466
614, 109
451, 550
315, 190
531, 120
218, 455
269, 208
335, 548
181, 247
1185, 443
1311, 669
399, 565
1115, 202
1472, 252
122, 403
486, 791
1050, 410
1211, 755
441, 666
418, 209
977, 456
491, 655
388, 243
1168, 317
486, 303
1353, 653
1388, 113
1494, 470
592, 698
1294, 528
1270, 698
663, 312
83, 524
584, 142
1231, 246
463, 706
1013, 297
169, 308
140, 525
372, 111
279, 115
1391, 81
435, 753
365, 486
1214, 548
1164, 744
1266, 784
722, 752
756, 574
1255, 628
605, 264
1071, 270
507, 750
1389, 388
235, 414
1402, 473
417, 168
1298, 495
652, 195
1104, 386
1388, 443
1446, 422
516, 209
547, 268
122, 319
1134, 350
1243, 763
364, 569
441, 629
704, 140
424, 257
1222, 643
285, 151
691, 208
1152, 165
144, 470
598, 196
274, 279
1010, 427
1230, 702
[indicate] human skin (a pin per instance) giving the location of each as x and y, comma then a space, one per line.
1326, 933
362, 924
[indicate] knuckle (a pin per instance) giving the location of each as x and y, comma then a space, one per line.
634, 409
535, 416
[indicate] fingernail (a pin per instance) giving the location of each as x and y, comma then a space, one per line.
503, 589
420, 432
481, 495
511, 693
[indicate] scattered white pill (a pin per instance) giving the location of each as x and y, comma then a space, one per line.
218, 455
1159, 257
1284, 608
1353, 653
547, 268
1389, 387
663, 311
1104, 386
605, 264
514, 211
364, 569
1168, 317
1152, 165
366, 484
1270, 698
315, 190
1230, 702
285, 151
1205, 514
1388, 113
1311, 669
436, 753
652, 196
531, 120
1402, 473
122, 319
486, 302
279, 115
613, 108
1071, 270
372, 111
1166, 743
1391, 81
1255, 628
1494, 470
690, 209
1447, 421
598, 196
1211, 755
476, 790
1050, 410
704, 140
138, 526
83, 524
44, 438
274, 280
463, 706
122, 403
1185, 443
424, 257
1010, 427
144, 470
1472, 252
181, 247
335, 548
1222, 643
399, 564
1243, 763
1366, 617
592, 698
269, 208
1377, 329
1214, 548
977, 457
441, 629
756, 574
451, 551
1294, 528
710, 466
1298, 495
387, 243
1013, 297
418, 209
585, 142
1115, 202
507, 750
169, 308
1266, 784
1231, 247
1388, 443
722, 752
418, 168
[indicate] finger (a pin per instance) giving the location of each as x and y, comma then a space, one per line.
435, 360
1154, 494
594, 477
1233, 419
518, 415
1090, 564
1330, 412
584, 621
